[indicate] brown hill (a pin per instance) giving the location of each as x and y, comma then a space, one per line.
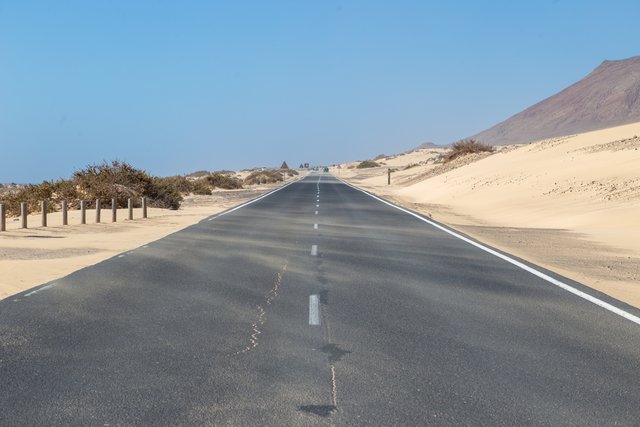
609, 96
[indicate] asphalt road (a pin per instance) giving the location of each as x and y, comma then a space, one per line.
218, 325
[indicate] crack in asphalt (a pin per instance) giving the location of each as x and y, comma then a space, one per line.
261, 313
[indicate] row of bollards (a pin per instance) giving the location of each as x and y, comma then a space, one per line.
24, 212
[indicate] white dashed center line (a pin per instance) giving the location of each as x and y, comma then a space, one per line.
314, 310
314, 250
315, 226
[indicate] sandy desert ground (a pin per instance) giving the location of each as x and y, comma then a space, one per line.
570, 204
37, 255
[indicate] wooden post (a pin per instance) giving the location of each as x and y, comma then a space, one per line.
114, 210
389, 176
130, 207
83, 212
97, 211
23, 215
144, 207
43, 208
3, 218
65, 217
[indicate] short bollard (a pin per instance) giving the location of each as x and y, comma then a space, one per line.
23, 215
114, 210
130, 207
43, 208
144, 207
83, 212
97, 211
65, 209
3, 219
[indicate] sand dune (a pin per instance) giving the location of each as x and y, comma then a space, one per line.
571, 204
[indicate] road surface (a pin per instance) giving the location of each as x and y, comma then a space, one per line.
315, 305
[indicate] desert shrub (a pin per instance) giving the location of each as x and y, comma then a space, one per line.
367, 164
291, 172
200, 187
411, 165
162, 194
465, 147
31, 195
106, 181
185, 185
198, 174
121, 181
219, 180
115, 180
180, 183
268, 176
379, 157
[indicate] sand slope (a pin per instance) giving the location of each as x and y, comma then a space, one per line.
571, 204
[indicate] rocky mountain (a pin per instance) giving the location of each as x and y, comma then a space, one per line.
609, 96
427, 145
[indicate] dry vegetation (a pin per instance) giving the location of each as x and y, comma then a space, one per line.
465, 147
268, 176
115, 180
223, 180
367, 164
106, 181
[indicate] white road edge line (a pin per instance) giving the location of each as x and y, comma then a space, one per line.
556, 282
314, 310
44, 288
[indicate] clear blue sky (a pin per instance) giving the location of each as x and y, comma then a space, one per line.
177, 86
